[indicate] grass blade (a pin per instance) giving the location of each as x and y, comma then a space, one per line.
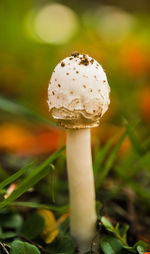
100, 155
3, 173
42, 206
134, 161
110, 160
15, 176
35, 176
135, 143
126, 164
140, 191
15, 108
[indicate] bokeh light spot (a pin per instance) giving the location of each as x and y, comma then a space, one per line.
114, 24
56, 24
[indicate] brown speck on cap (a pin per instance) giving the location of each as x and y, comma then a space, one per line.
62, 64
71, 92
91, 90
70, 58
92, 61
67, 73
84, 61
55, 79
75, 54
73, 79
77, 72
53, 93
94, 76
84, 86
57, 97
104, 81
59, 85
93, 110
85, 76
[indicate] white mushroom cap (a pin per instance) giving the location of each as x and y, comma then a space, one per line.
78, 92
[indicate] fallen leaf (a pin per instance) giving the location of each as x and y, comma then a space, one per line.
50, 231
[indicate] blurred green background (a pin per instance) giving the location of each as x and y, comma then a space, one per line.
34, 37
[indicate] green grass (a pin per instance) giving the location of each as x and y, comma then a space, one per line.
130, 171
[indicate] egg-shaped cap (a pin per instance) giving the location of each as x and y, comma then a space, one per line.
78, 92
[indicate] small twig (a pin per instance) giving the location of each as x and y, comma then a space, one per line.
4, 249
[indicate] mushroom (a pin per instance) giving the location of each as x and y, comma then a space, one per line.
78, 96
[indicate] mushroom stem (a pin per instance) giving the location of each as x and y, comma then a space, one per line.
81, 185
